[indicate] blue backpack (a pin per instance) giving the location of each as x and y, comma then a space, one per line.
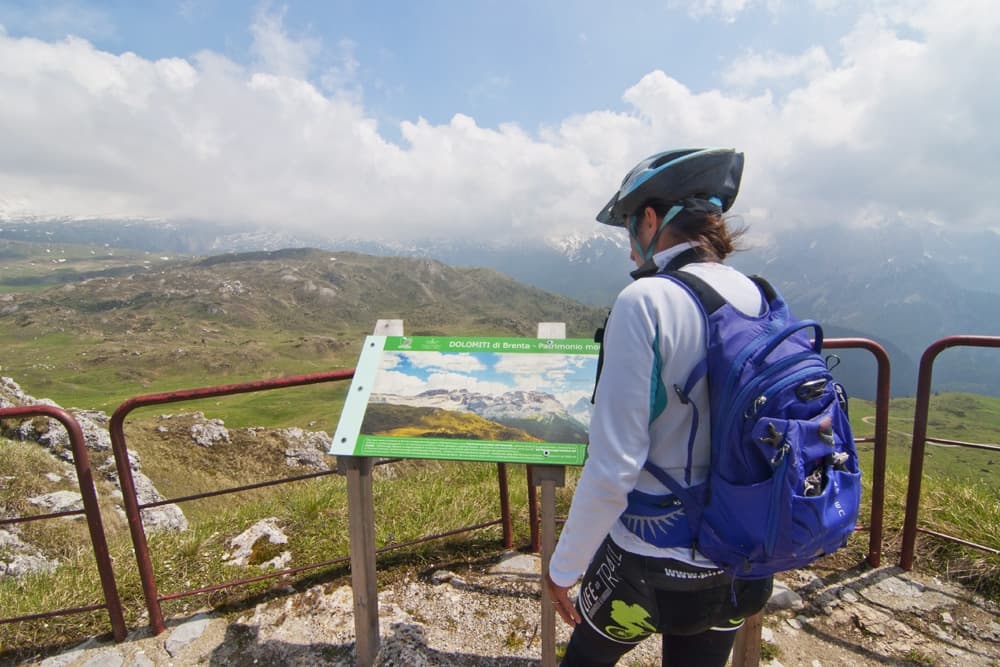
784, 485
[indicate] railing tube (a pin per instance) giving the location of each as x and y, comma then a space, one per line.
85, 480
880, 440
920, 414
132, 511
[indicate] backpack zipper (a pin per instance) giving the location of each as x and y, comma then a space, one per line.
772, 515
751, 390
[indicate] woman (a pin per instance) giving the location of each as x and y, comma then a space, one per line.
671, 204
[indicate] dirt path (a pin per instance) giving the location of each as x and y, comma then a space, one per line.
488, 614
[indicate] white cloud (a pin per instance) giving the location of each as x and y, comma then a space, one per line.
394, 382
343, 73
753, 68
899, 121
459, 363
276, 52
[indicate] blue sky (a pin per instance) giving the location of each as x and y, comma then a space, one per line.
379, 119
526, 62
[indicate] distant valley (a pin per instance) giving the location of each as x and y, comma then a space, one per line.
103, 326
902, 287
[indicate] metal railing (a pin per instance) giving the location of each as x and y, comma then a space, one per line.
133, 508
880, 438
920, 416
88, 493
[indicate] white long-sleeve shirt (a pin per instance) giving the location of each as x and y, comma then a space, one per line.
654, 337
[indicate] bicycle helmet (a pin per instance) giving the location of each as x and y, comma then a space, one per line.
690, 173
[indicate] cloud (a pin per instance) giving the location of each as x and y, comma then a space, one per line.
342, 74
754, 68
460, 362
275, 51
402, 384
896, 122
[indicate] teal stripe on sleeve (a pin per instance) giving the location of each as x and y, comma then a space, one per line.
657, 392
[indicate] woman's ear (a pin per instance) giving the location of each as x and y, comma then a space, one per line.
649, 218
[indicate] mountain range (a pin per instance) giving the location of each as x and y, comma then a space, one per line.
534, 412
903, 286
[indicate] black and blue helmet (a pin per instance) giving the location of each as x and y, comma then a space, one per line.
672, 176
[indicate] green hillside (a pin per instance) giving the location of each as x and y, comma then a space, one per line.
99, 328
414, 422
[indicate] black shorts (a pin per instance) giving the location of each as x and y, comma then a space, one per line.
625, 597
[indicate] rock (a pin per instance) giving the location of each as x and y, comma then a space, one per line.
306, 458
242, 546
441, 576
913, 595
18, 558
111, 657
308, 448
140, 659
871, 621
782, 597
71, 656
209, 432
184, 634
62, 659
168, 518
513, 564
58, 501
848, 595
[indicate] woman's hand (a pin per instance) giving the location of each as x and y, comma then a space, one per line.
560, 598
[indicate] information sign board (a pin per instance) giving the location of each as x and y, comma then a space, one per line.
513, 400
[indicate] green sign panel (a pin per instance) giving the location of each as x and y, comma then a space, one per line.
514, 400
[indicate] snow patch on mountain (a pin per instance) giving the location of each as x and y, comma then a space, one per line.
510, 405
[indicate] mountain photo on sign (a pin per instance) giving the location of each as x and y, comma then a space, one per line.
513, 400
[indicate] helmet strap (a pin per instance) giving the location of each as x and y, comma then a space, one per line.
650, 250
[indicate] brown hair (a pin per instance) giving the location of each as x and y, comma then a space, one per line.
713, 232
717, 237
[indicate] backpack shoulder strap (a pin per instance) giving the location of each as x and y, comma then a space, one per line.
703, 293
765, 287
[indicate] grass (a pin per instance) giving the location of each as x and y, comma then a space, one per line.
312, 513
412, 499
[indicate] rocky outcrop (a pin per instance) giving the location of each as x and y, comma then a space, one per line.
18, 558
306, 449
261, 545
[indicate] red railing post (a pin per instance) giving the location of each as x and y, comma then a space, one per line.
920, 414
880, 441
132, 509
88, 492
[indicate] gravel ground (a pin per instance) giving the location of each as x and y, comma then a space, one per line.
490, 616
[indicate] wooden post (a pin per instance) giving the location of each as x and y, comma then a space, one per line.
361, 526
548, 477
746, 650
545, 331
361, 522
